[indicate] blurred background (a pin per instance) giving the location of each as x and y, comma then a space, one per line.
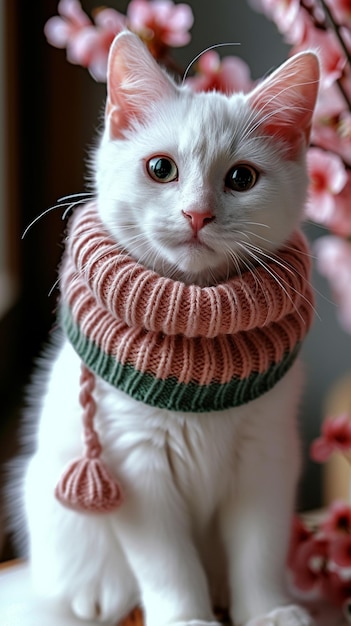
50, 112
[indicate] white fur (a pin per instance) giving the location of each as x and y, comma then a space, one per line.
209, 497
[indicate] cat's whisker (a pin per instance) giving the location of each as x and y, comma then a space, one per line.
233, 259
273, 257
247, 223
254, 235
279, 280
83, 194
60, 205
213, 276
54, 286
251, 267
257, 254
294, 271
38, 217
78, 198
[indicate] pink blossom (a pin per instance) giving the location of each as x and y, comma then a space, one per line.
291, 19
319, 560
309, 565
336, 589
230, 75
340, 550
334, 262
87, 44
336, 435
340, 222
90, 47
299, 533
338, 518
330, 53
327, 178
341, 10
59, 30
160, 23
331, 128
298, 30
282, 12
307, 557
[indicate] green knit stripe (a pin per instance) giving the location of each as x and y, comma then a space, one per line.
169, 393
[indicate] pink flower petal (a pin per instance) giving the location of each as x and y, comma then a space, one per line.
334, 262
57, 32
299, 534
98, 68
321, 450
81, 47
167, 22
340, 550
109, 19
341, 10
182, 18
209, 62
329, 167
337, 430
309, 563
138, 13
338, 518
73, 12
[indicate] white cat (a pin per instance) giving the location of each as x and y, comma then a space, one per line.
197, 187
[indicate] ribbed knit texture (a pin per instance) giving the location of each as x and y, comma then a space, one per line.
87, 484
177, 346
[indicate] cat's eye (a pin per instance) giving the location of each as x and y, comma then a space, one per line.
241, 177
162, 169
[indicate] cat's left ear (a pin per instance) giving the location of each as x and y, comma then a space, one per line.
134, 82
285, 101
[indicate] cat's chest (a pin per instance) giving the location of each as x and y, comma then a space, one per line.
196, 453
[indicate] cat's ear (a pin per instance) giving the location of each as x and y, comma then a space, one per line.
285, 101
134, 82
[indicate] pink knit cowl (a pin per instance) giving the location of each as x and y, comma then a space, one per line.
176, 346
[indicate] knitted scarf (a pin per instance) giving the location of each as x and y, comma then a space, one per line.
175, 346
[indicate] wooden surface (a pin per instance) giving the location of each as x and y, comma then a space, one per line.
134, 619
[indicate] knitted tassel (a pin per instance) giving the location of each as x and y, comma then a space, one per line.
86, 484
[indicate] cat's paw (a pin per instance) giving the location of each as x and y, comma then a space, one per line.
292, 615
102, 604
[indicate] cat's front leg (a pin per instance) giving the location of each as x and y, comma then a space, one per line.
77, 564
256, 515
154, 528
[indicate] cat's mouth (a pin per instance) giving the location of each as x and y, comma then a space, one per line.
196, 243
192, 244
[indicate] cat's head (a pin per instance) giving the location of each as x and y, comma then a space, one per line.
199, 185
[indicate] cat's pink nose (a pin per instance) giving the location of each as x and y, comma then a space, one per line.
198, 220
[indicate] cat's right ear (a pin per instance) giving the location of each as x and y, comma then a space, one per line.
134, 82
